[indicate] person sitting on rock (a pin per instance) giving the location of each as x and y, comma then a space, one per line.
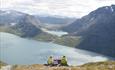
50, 61
64, 61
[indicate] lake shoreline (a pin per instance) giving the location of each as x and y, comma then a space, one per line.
17, 50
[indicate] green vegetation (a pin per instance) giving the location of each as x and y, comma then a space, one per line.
10, 30
45, 37
70, 41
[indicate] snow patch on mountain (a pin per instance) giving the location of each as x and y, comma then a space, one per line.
112, 9
106, 8
4, 13
12, 24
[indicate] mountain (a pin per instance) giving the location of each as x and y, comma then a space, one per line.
54, 19
19, 23
54, 22
86, 21
97, 30
25, 25
100, 37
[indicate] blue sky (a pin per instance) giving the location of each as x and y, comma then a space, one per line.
70, 8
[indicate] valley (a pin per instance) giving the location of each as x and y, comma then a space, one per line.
33, 27
33, 52
85, 33
27, 40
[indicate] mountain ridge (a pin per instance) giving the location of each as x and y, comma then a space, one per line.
22, 23
97, 30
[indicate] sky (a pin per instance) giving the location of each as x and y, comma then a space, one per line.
69, 8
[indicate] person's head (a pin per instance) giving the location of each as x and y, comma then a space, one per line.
64, 56
50, 57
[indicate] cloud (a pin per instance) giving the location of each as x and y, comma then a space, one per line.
71, 8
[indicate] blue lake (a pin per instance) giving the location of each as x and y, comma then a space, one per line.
16, 50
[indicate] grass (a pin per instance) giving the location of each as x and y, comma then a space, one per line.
70, 41
45, 37
107, 65
10, 30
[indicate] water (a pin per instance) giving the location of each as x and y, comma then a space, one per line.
16, 50
57, 33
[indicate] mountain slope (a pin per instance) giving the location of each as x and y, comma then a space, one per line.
26, 25
90, 19
53, 22
97, 30
54, 19
19, 23
100, 36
